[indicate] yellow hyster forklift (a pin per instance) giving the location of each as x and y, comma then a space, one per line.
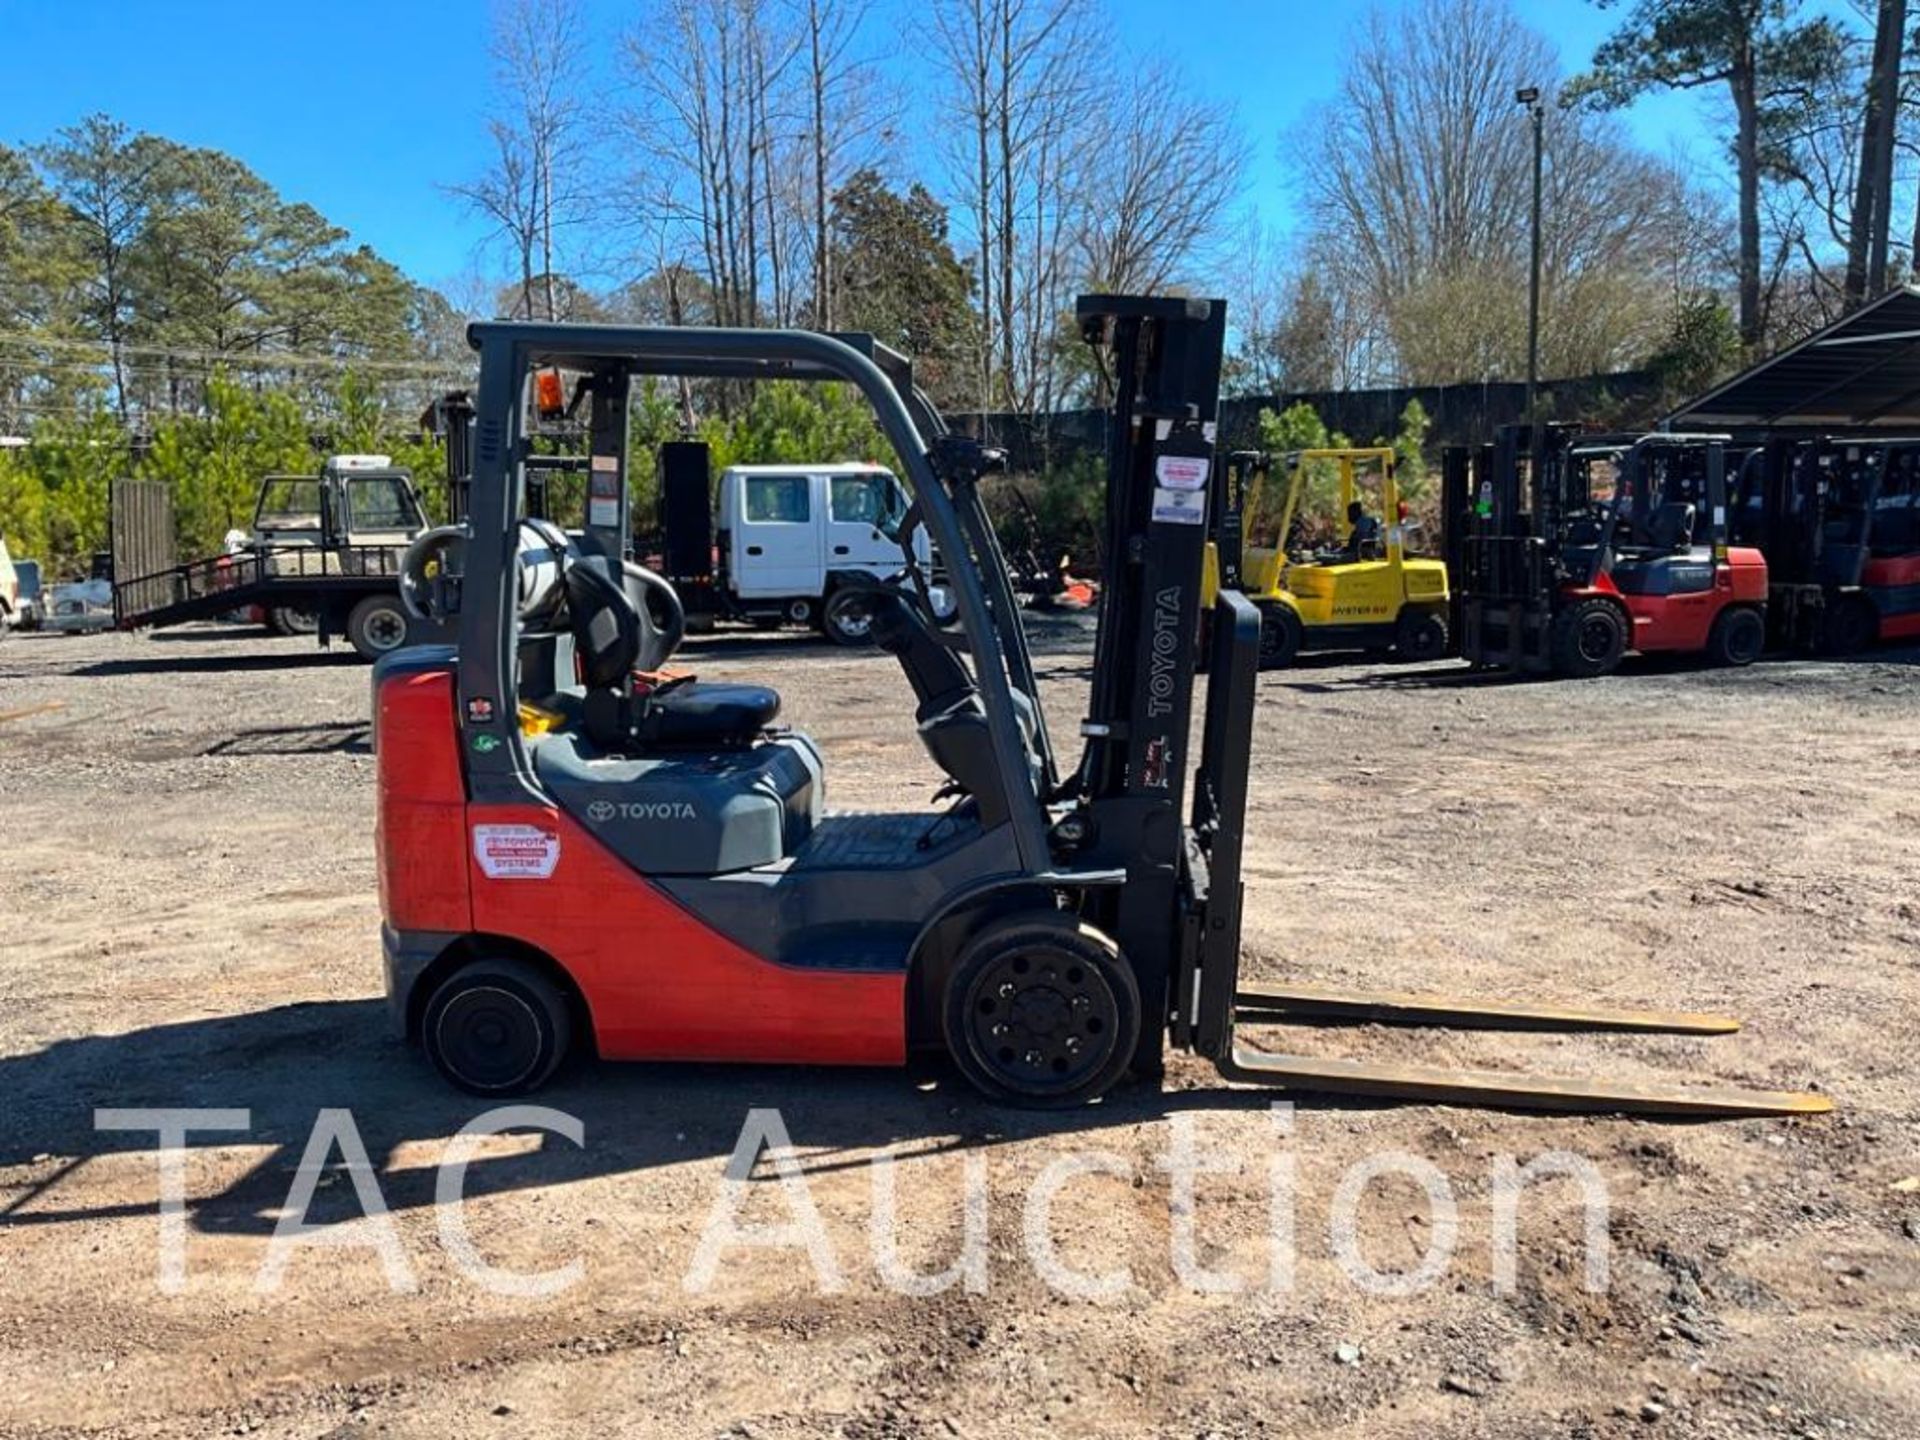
1364, 594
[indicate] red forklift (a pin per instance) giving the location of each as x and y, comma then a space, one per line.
1572, 549
579, 848
1839, 523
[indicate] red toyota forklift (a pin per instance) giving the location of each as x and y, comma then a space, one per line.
579, 847
1572, 549
1839, 522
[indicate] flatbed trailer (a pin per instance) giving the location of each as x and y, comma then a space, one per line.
327, 550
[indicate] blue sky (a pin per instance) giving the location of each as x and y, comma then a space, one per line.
359, 107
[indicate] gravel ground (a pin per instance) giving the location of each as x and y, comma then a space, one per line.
190, 920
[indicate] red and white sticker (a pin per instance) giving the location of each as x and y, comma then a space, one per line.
515, 852
1182, 472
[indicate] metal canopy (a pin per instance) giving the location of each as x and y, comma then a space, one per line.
1862, 373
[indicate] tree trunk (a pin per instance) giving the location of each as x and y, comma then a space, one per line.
822, 266
1872, 213
983, 197
1006, 201
546, 228
1886, 114
1746, 103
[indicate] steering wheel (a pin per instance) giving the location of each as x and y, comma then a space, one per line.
429, 584
663, 619
937, 602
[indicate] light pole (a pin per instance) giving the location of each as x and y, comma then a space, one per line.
1530, 97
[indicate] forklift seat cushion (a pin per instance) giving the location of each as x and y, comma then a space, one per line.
688, 812
698, 713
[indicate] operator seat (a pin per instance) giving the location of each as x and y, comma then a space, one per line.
614, 634
1671, 526
951, 716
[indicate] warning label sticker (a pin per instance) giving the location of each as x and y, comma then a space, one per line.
1182, 472
515, 852
1179, 507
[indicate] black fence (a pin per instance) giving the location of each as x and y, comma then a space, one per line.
1460, 415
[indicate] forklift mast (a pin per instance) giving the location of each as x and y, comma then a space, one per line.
1164, 356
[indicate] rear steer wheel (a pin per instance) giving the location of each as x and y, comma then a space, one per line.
497, 1027
1737, 638
377, 626
1041, 1010
1421, 635
848, 617
1589, 638
1280, 636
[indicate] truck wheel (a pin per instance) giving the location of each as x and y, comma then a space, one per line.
1850, 626
293, 620
1041, 1010
1737, 638
377, 626
1589, 638
1421, 635
848, 618
1280, 636
497, 1027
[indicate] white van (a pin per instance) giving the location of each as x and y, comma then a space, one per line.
793, 538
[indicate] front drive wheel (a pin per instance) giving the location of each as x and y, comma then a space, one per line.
497, 1027
1421, 635
848, 618
1042, 1011
1280, 636
377, 626
1737, 638
1589, 638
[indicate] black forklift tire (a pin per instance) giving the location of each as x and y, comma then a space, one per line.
1421, 636
1738, 636
377, 626
1589, 638
1849, 626
1280, 636
846, 618
1041, 1010
497, 1027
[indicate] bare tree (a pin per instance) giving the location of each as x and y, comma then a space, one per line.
1418, 204
1160, 181
535, 184
1027, 112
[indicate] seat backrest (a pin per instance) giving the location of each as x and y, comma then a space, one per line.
608, 628
1671, 527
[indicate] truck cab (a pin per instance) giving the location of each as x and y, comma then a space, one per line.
800, 541
355, 500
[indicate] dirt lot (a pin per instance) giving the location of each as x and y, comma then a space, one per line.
190, 920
